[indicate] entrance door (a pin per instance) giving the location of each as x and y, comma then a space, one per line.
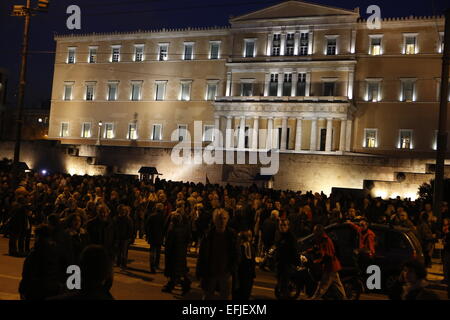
323, 138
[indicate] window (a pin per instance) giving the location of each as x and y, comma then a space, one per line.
138, 52
331, 46
185, 91
246, 89
115, 57
211, 91
276, 44
290, 44
182, 132
92, 55
160, 90
64, 129
163, 51
304, 44
214, 50
136, 88
249, 51
273, 85
301, 85
373, 91
86, 130
90, 91
132, 131
370, 138
405, 139
375, 45
329, 88
188, 51
410, 44
157, 132
109, 131
71, 55
208, 133
68, 91
287, 84
112, 91
408, 94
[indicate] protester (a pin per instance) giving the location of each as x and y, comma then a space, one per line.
243, 284
123, 234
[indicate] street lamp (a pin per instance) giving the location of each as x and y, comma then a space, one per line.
100, 124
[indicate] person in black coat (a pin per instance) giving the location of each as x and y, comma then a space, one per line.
19, 228
78, 235
154, 229
43, 272
123, 233
243, 284
177, 242
269, 229
101, 230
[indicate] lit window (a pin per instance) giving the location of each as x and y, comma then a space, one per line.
136, 88
185, 91
208, 133
375, 45
331, 46
410, 44
160, 90
214, 50
64, 129
90, 92
112, 91
86, 130
92, 55
211, 91
249, 48
182, 132
163, 51
370, 138
304, 44
109, 131
276, 44
157, 132
373, 91
71, 58
132, 131
188, 51
408, 94
405, 139
115, 57
139, 52
68, 91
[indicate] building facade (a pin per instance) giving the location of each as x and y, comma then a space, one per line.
298, 77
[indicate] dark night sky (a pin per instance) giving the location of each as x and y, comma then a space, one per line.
121, 15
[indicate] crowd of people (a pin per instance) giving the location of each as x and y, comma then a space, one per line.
228, 226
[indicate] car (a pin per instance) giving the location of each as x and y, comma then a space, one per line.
393, 247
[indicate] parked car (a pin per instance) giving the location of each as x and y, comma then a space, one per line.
393, 247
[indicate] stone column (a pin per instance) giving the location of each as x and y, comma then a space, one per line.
342, 137
294, 84
229, 84
269, 44
351, 79
296, 43
266, 85
283, 134
241, 141
329, 134
298, 135
283, 44
255, 133
353, 42
310, 42
229, 132
269, 136
308, 84
217, 135
348, 139
280, 84
313, 142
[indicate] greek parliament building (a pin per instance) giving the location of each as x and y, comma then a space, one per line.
342, 103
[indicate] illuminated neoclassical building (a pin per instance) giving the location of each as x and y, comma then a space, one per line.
309, 79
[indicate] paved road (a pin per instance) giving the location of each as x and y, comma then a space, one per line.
136, 283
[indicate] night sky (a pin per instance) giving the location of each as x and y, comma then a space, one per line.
121, 15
